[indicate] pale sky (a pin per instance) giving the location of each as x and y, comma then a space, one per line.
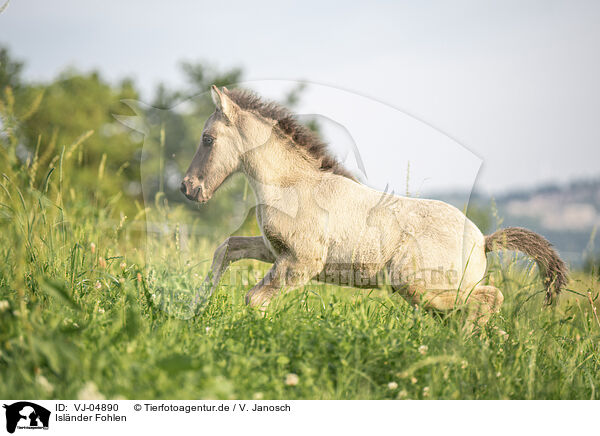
516, 83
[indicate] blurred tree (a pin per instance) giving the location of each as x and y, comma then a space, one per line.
200, 77
10, 70
480, 216
165, 98
77, 103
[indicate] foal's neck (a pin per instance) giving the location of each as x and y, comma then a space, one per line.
278, 165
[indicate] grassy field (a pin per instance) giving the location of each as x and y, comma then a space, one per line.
94, 306
84, 313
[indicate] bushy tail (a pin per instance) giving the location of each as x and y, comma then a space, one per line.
551, 266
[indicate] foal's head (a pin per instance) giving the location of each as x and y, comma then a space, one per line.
228, 133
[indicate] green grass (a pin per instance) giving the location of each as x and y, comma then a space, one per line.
77, 315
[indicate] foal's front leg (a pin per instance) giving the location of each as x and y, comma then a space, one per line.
233, 249
285, 275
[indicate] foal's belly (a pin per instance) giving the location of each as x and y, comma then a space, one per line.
354, 275
360, 265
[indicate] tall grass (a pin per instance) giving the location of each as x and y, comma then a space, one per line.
93, 305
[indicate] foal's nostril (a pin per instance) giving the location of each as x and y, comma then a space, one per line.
183, 188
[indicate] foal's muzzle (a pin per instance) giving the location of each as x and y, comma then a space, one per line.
193, 190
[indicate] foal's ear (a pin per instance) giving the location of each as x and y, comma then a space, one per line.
223, 102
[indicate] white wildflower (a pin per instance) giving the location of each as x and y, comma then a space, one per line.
291, 379
89, 391
44, 384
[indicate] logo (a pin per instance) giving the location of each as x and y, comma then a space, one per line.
26, 415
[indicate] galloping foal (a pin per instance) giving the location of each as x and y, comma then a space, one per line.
318, 222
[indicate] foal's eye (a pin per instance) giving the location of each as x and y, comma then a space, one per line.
207, 141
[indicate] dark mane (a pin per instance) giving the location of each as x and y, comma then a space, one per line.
301, 136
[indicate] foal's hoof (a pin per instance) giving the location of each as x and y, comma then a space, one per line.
260, 304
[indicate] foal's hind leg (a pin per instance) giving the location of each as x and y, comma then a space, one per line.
233, 249
442, 300
482, 303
